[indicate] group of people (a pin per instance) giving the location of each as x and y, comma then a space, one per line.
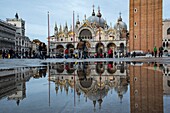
83, 53
8, 53
160, 53
42, 53
78, 53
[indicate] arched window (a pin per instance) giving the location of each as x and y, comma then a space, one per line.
168, 31
167, 44
163, 44
168, 83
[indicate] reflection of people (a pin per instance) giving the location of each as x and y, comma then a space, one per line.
3, 54
155, 65
110, 53
155, 51
110, 65
160, 52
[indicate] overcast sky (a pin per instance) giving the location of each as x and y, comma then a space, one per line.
34, 12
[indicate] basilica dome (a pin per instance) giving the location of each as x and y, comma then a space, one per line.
95, 20
120, 24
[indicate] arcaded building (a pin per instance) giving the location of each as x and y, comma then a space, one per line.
145, 24
166, 36
95, 32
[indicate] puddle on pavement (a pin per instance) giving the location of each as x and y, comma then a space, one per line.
124, 87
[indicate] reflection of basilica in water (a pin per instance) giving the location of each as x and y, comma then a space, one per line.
95, 32
93, 80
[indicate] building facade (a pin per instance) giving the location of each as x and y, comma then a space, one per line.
145, 24
94, 33
22, 42
166, 36
7, 36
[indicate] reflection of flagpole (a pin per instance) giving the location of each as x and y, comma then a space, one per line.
49, 83
74, 89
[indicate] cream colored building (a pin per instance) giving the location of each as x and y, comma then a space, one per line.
95, 32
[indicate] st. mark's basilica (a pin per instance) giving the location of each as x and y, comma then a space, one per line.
92, 33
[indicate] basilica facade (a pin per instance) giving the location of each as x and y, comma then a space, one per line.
94, 33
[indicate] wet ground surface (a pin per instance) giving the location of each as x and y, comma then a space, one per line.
42, 86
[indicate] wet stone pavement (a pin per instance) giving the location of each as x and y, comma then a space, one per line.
86, 87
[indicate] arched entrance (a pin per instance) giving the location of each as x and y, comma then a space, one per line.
85, 34
121, 50
99, 50
112, 46
70, 48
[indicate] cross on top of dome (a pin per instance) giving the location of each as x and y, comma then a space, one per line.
120, 18
93, 13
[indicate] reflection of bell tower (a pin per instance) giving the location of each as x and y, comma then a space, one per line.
146, 90
145, 24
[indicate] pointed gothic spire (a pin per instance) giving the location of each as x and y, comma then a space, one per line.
93, 13
56, 28
66, 28
85, 16
60, 28
71, 28
111, 24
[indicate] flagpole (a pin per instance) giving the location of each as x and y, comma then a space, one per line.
48, 50
73, 30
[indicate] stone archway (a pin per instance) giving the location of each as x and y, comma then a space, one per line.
113, 47
85, 34
70, 48
121, 49
99, 50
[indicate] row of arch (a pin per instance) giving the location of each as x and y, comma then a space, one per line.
85, 69
99, 46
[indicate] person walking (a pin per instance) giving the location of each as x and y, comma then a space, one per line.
40, 50
66, 53
3, 54
155, 51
